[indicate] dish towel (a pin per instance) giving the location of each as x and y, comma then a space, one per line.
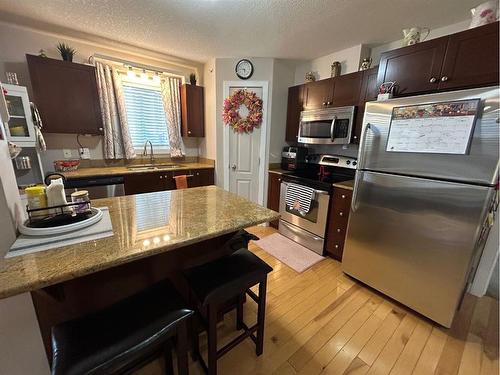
181, 182
299, 197
37, 121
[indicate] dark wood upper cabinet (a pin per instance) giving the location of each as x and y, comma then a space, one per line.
369, 87
346, 89
318, 94
463, 60
368, 93
415, 68
192, 110
273, 194
294, 107
471, 59
66, 95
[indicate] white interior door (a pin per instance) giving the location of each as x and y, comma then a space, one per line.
244, 151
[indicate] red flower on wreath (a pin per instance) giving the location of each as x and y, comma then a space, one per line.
231, 115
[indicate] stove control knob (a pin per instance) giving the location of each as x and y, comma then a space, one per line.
348, 162
354, 163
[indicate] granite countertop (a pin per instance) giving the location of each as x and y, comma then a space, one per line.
143, 225
122, 170
279, 171
349, 184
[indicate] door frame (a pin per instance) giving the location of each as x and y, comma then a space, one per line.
263, 155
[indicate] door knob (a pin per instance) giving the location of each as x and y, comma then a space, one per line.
433, 79
233, 167
444, 78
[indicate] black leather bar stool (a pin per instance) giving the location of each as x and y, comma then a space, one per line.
213, 286
125, 336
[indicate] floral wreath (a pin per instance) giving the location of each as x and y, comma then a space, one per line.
231, 115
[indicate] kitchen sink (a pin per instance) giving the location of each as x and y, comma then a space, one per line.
146, 167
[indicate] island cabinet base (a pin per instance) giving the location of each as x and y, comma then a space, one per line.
83, 295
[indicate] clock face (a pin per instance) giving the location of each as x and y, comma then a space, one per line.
244, 69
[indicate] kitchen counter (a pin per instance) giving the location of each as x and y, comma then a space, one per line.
122, 170
349, 185
144, 225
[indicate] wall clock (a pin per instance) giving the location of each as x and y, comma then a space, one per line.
244, 69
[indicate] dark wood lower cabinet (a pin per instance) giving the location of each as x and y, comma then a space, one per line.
138, 183
273, 195
340, 206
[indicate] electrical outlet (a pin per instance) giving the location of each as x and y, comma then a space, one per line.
84, 153
67, 153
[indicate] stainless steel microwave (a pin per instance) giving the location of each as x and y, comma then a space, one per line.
329, 126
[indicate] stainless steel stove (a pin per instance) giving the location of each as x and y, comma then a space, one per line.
319, 173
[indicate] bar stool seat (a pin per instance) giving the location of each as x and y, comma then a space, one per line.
123, 336
212, 285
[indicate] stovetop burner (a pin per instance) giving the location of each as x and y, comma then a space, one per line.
321, 171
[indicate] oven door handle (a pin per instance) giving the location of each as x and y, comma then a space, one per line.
332, 128
322, 192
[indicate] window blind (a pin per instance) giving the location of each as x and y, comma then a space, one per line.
146, 116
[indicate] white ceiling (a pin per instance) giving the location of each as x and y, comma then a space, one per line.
199, 29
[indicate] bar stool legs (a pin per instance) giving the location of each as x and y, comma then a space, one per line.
261, 314
256, 332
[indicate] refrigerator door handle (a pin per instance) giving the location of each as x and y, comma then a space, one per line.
357, 179
332, 129
362, 143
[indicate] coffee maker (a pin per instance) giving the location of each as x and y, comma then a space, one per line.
293, 157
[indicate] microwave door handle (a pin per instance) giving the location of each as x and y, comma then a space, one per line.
332, 129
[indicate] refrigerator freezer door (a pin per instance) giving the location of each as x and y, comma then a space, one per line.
478, 166
414, 239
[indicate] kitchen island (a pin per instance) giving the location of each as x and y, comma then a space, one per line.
156, 235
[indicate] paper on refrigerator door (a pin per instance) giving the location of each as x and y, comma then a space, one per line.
440, 128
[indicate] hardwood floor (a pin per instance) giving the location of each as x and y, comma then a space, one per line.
323, 322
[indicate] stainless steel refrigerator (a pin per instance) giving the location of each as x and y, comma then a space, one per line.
424, 196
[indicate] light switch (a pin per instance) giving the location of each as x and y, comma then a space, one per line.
67, 153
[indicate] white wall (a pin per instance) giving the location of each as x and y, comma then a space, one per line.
21, 346
16, 41
349, 58
283, 78
208, 144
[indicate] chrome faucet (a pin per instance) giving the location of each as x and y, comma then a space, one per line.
145, 151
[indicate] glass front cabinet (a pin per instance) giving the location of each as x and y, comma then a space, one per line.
20, 128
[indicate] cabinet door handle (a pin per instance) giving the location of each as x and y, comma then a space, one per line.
444, 78
100, 129
433, 80
189, 131
161, 177
336, 246
328, 103
341, 213
343, 196
338, 230
324, 103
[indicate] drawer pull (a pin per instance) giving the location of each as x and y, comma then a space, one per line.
339, 230
343, 196
336, 246
341, 213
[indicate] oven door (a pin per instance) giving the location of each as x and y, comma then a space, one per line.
326, 126
315, 220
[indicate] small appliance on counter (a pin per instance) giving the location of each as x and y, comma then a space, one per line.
305, 198
293, 157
